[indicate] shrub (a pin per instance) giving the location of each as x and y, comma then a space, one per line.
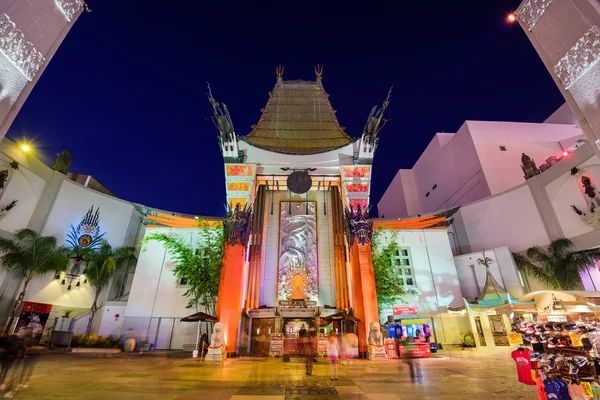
93, 340
467, 339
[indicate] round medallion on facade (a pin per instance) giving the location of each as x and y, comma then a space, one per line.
85, 240
299, 182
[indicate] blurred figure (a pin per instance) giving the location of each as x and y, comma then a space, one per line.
28, 359
11, 347
414, 369
333, 354
309, 353
203, 343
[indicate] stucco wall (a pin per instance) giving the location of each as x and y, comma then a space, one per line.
509, 219
502, 169
43, 24
567, 190
472, 275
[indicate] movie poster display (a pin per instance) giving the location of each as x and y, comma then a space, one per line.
33, 317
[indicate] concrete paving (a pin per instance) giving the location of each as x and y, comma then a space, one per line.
164, 376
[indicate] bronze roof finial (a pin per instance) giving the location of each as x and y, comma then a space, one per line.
279, 72
319, 72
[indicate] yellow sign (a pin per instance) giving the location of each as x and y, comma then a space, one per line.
414, 321
515, 338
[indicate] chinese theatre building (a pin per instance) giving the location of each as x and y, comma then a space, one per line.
298, 245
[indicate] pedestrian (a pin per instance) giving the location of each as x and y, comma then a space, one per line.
309, 354
11, 349
29, 358
333, 354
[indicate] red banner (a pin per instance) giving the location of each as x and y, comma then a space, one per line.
405, 310
415, 350
37, 307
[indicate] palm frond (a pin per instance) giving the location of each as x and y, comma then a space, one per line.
536, 253
560, 247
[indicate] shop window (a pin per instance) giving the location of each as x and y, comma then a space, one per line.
401, 259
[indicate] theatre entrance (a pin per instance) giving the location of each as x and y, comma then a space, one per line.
294, 329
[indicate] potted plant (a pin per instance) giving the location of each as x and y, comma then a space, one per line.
63, 323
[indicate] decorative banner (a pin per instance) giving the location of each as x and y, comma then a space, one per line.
515, 338
298, 271
405, 310
357, 172
357, 187
238, 186
414, 321
239, 170
415, 350
356, 203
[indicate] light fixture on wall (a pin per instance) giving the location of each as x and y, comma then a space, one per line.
63, 282
85, 280
574, 171
69, 287
78, 284
57, 276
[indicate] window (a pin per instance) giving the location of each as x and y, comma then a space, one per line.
435, 186
427, 194
402, 262
502, 148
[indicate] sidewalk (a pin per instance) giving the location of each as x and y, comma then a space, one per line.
453, 375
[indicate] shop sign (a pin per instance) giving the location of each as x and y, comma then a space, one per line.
492, 312
515, 338
415, 351
414, 321
276, 348
557, 318
405, 310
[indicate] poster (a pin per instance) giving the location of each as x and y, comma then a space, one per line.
276, 345
322, 344
405, 310
33, 317
515, 338
390, 348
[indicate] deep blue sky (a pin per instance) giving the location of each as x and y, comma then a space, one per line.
126, 90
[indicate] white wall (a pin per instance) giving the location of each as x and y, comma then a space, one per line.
25, 187
509, 219
69, 207
567, 190
472, 275
45, 26
502, 169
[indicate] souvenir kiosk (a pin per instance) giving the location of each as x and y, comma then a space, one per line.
412, 334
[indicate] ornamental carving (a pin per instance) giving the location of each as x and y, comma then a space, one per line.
531, 11
21, 52
69, 7
84, 238
237, 224
592, 197
359, 227
580, 58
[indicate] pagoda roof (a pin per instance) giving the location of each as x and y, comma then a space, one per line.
298, 119
492, 290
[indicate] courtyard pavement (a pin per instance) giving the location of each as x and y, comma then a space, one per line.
455, 375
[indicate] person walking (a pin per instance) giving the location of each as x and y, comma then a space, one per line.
309, 354
333, 354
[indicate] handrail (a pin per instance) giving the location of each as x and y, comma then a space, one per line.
77, 318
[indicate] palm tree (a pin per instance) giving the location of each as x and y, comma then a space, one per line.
27, 255
101, 265
485, 261
560, 266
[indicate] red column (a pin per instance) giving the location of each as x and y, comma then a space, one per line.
229, 302
363, 291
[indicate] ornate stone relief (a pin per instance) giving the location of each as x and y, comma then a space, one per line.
69, 7
531, 11
582, 56
21, 52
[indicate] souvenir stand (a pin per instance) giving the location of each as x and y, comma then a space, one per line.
560, 351
412, 335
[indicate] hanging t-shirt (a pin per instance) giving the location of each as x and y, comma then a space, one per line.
596, 392
576, 392
426, 331
587, 389
410, 331
539, 383
391, 331
552, 388
399, 331
522, 358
